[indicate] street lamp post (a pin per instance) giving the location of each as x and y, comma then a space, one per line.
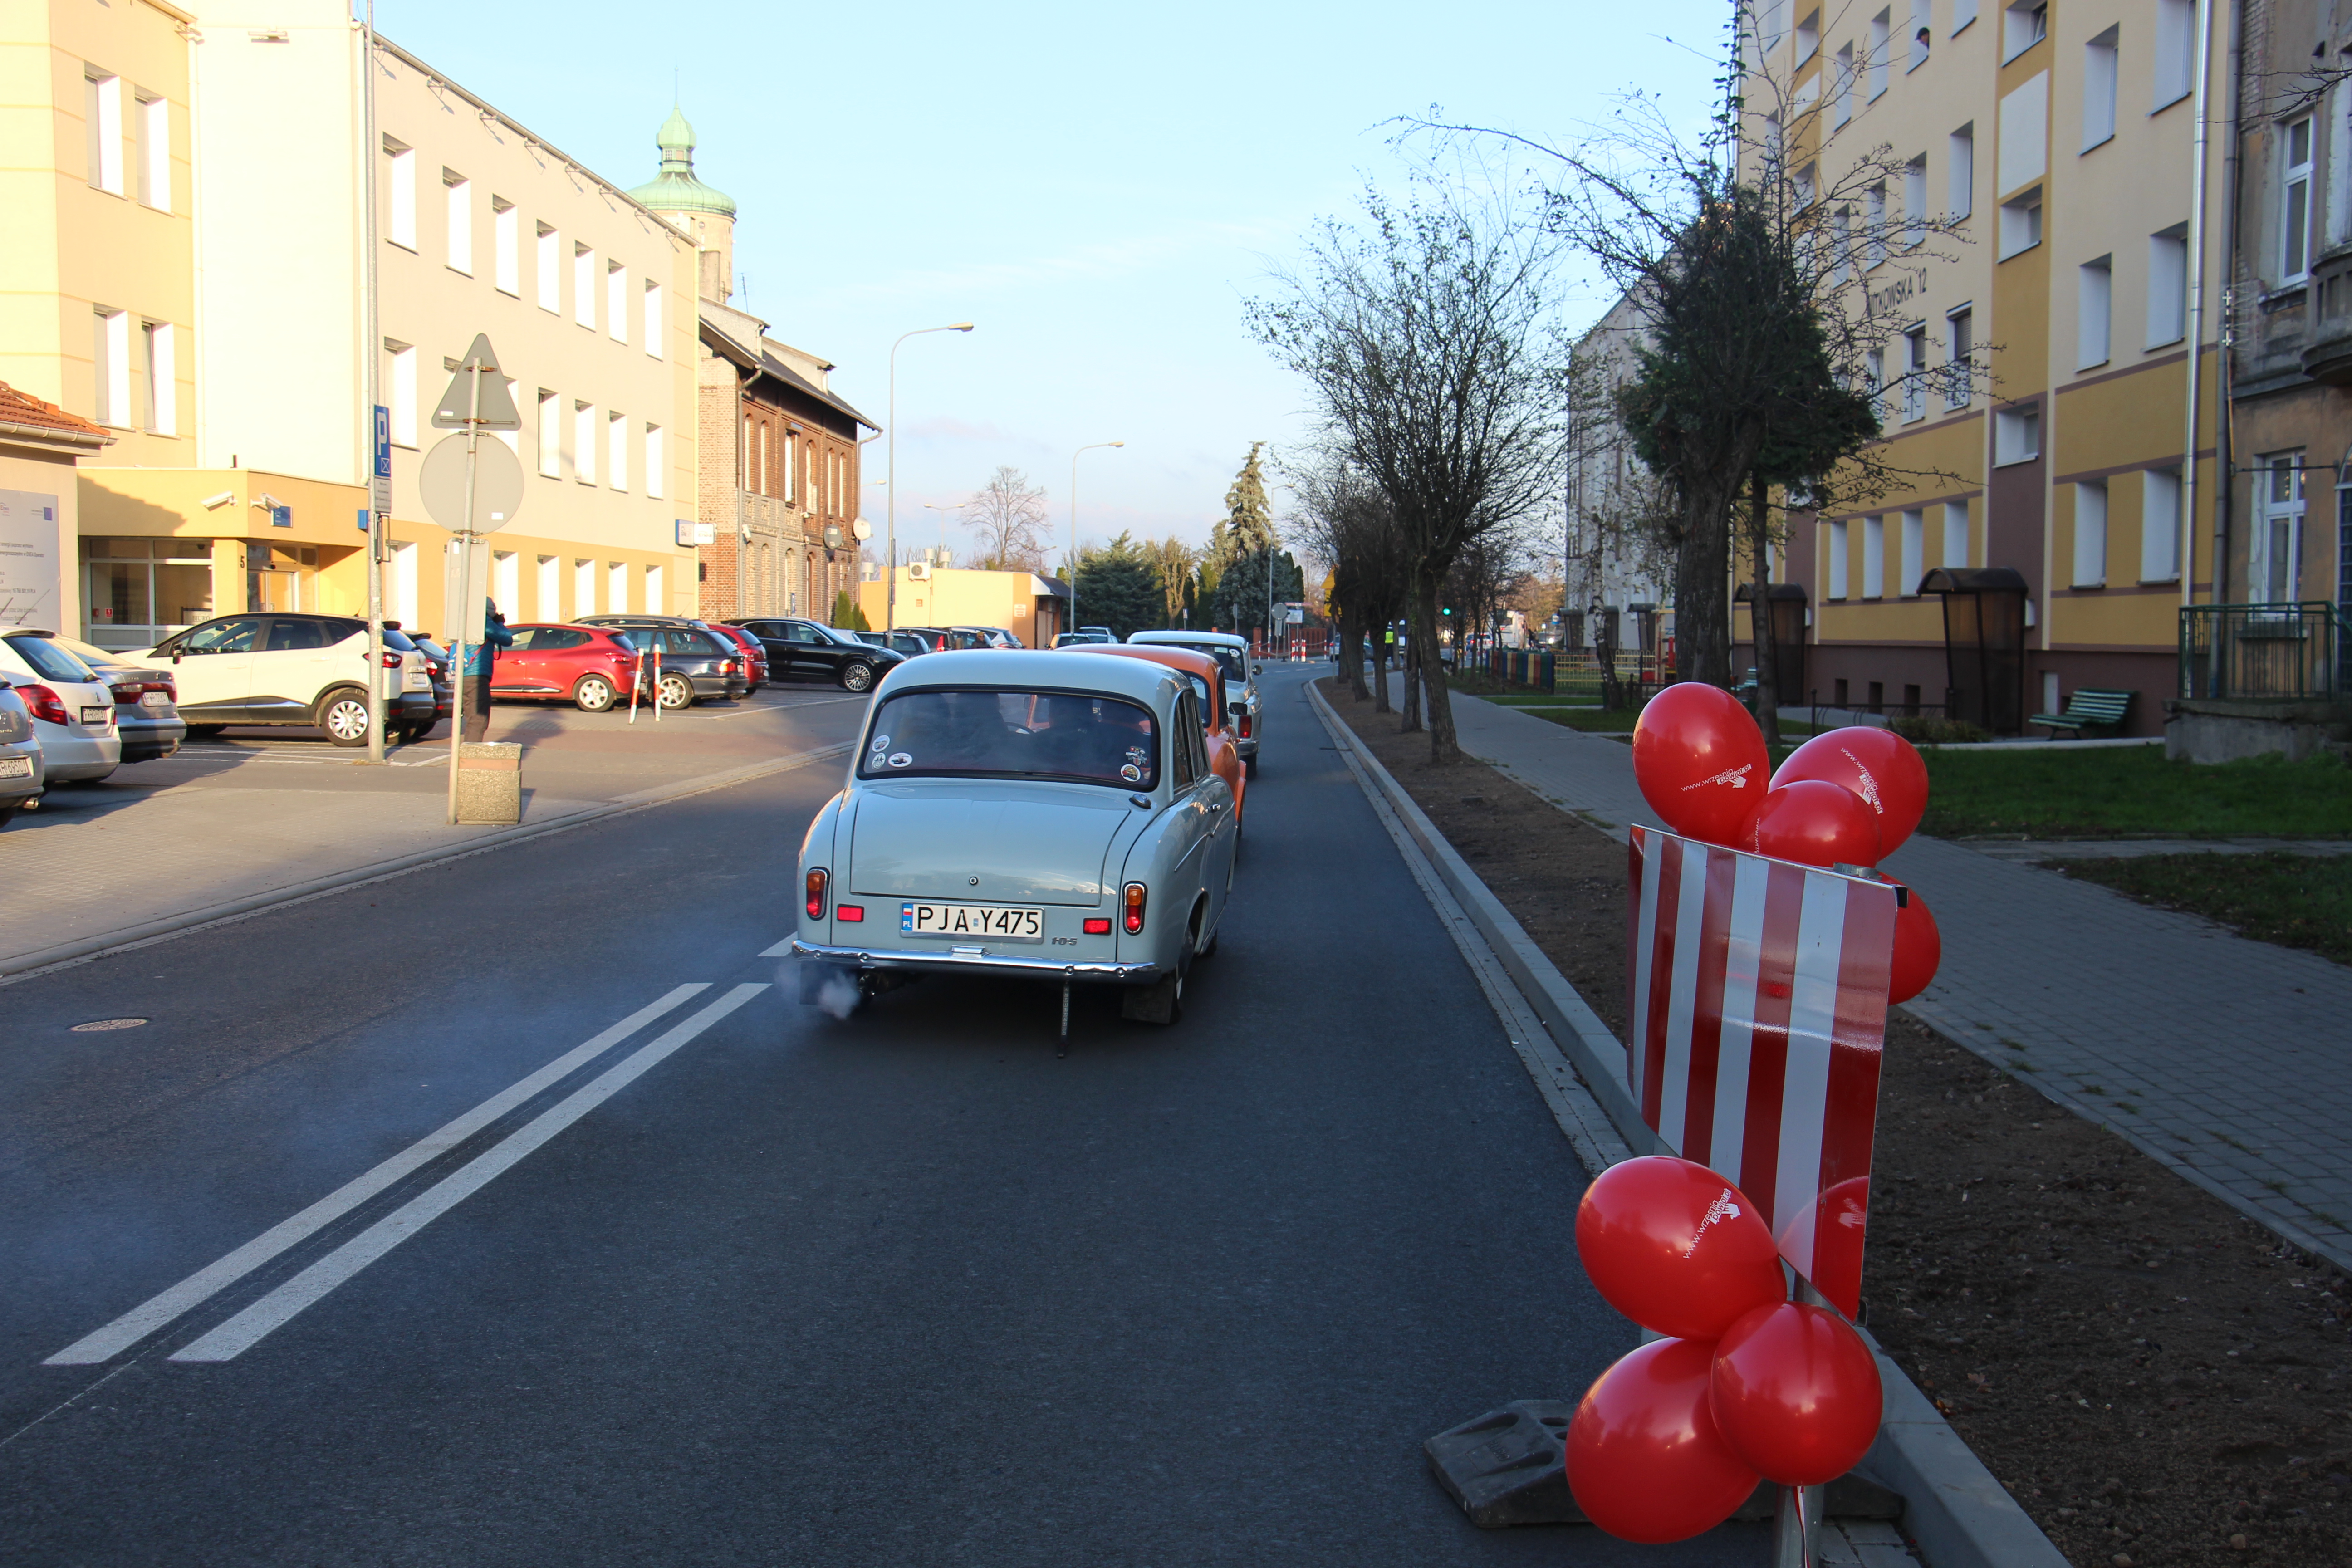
1074, 527
943, 509
890, 598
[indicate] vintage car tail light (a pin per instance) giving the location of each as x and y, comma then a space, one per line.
1098, 927
46, 704
1245, 724
1135, 895
816, 894
853, 914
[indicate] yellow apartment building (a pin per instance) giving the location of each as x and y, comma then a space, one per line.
191, 271
2042, 264
1034, 609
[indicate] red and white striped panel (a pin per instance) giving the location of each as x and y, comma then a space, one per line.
1756, 1010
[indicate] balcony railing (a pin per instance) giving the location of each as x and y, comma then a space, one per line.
2262, 653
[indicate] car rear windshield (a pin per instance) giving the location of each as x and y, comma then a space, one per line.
50, 661
1014, 734
1229, 658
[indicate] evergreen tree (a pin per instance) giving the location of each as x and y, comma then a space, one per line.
1117, 586
1239, 604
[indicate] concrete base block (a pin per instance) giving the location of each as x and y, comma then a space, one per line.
2202, 730
490, 781
1510, 1466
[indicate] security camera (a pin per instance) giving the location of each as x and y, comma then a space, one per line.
213, 503
268, 502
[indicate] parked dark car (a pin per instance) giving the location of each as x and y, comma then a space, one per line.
982, 637
436, 669
907, 642
591, 667
685, 661
933, 638
804, 650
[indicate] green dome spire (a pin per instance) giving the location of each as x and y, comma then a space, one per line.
676, 188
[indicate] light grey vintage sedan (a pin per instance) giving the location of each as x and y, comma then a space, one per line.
1011, 814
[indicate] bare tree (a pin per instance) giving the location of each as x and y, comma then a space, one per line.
1426, 333
1345, 521
1009, 514
1175, 559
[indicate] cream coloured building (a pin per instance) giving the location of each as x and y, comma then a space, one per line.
172, 292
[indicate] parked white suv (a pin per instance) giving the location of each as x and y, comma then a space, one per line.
73, 710
269, 668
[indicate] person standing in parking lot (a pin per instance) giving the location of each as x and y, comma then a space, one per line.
478, 661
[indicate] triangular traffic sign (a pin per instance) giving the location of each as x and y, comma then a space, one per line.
496, 411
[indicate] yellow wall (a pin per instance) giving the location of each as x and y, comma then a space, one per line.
952, 596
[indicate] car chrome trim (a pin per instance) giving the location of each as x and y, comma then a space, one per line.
953, 961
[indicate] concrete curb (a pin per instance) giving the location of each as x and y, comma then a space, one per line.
23, 965
1954, 1507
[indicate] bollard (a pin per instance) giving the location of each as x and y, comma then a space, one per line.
490, 781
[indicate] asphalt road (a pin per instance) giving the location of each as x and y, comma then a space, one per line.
900, 1288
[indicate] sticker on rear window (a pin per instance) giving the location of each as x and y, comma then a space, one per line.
901, 760
1131, 772
881, 743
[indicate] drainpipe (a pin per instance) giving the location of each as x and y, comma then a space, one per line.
2225, 491
2197, 315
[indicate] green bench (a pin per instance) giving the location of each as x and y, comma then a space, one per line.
2088, 711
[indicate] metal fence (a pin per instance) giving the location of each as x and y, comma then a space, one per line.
1575, 672
2262, 653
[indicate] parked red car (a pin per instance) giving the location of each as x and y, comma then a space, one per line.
755, 653
590, 667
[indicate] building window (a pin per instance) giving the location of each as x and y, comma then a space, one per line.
2099, 80
458, 195
1919, 35
143, 590
1800, 188
2091, 535
2020, 223
1837, 561
110, 367
506, 584
654, 606
583, 588
1808, 37
400, 194
1914, 553
1843, 85
2295, 205
550, 588
2175, 55
1874, 377
101, 96
551, 434
2093, 292
654, 461
1961, 171
1956, 533
616, 587
653, 320
155, 132
550, 270
2159, 526
617, 301
1874, 218
1915, 374
583, 442
1964, 15
506, 240
2016, 435
2023, 25
1915, 200
159, 360
616, 451
2276, 548
2167, 285
401, 394
1874, 557
583, 286
1960, 368
1878, 39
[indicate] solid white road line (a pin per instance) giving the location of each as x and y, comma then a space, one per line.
120, 1335
781, 949
241, 1333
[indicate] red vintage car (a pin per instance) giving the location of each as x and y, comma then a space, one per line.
1209, 688
590, 667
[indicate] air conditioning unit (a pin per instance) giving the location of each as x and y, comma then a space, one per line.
918, 571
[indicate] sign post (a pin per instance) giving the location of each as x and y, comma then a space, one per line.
476, 401
380, 505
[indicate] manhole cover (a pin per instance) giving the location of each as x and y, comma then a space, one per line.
99, 1025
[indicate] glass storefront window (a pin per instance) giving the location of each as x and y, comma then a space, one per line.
140, 591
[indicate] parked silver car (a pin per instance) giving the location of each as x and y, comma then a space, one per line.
146, 711
72, 708
1241, 681
20, 754
1056, 819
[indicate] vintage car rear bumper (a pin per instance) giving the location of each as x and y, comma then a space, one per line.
938, 961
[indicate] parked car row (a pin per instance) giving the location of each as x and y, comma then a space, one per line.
73, 713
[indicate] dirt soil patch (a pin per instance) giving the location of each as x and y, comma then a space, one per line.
2157, 1379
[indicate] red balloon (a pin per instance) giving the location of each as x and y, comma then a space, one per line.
1644, 1459
1813, 822
1700, 759
1795, 1393
1675, 1247
1918, 948
1838, 1219
1879, 765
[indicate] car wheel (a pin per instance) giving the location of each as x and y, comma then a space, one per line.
676, 691
1161, 1002
343, 715
205, 731
856, 674
593, 694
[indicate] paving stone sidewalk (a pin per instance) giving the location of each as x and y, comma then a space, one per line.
2224, 1058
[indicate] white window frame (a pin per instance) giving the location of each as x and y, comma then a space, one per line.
506, 582
551, 269
2173, 62
102, 109
2091, 533
584, 437
551, 434
653, 321
153, 116
1956, 533
616, 451
583, 588
110, 367
401, 392
655, 586
2102, 82
1874, 557
1808, 37
1920, 22
1839, 566
2279, 521
1914, 202
617, 301
583, 284
1915, 374
457, 198
505, 246
656, 455
1842, 65
1960, 356
1874, 218
2095, 292
616, 587
549, 588
1914, 553
2023, 23
1875, 87
162, 392
2295, 200
1961, 171
400, 194
2167, 285
2016, 435
1964, 15
2020, 223
2159, 525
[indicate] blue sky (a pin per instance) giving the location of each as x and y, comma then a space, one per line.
1099, 189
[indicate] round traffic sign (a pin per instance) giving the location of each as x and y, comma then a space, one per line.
497, 484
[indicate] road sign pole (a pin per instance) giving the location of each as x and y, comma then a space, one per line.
464, 591
379, 519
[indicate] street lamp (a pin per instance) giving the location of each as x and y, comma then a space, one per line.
1074, 527
890, 599
943, 510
